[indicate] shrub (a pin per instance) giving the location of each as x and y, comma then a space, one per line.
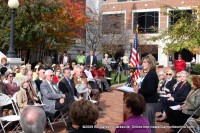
196, 69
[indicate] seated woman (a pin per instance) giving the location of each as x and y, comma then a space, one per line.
162, 103
10, 86
85, 114
191, 104
169, 82
176, 97
24, 96
161, 75
134, 106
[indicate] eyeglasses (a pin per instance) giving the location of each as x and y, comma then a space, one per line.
169, 74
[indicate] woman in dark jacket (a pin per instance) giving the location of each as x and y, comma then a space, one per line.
149, 88
169, 82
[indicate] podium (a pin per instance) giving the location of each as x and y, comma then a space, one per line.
125, 91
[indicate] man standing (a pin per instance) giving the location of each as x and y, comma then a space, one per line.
91, 59
180, 64
65, 58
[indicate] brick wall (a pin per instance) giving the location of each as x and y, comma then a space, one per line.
129, 6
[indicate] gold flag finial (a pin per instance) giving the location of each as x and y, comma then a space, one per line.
137, 28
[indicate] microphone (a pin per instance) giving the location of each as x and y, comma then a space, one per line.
134, 68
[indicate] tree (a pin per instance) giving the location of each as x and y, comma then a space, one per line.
106, 33
184, 34
42, 25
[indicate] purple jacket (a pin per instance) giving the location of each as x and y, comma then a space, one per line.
134, 124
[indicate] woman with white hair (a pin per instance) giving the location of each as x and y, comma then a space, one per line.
169, 82
161, 76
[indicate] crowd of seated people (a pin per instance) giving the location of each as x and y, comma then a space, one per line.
61, 85
55, 86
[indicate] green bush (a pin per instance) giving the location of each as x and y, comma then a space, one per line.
196, 69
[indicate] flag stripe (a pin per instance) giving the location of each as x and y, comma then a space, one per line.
134, 61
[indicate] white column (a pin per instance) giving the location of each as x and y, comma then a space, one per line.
197, 58
163, 59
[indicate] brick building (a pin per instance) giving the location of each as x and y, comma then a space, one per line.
148, 14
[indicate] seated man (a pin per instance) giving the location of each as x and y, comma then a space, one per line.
78, 80
102, 79
67, 87
52, 97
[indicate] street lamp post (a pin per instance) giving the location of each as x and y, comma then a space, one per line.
13, 4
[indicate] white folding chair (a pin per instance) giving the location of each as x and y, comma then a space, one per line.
14, 99
191, 123
6, 120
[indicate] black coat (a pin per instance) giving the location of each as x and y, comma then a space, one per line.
149, 87
38, 83
94, 60
66, 89
170, 84
181, 92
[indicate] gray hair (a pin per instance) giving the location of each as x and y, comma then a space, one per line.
33, 120
7, 73
185, 73
47, 72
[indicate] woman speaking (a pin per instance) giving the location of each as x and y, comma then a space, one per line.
149, 88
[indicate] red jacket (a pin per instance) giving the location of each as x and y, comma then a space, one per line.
95, 73
180, 65
101, 72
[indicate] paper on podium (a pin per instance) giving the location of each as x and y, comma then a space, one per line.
162, 95
125, 89
176, 107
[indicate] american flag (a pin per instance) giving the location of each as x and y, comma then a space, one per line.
134, 62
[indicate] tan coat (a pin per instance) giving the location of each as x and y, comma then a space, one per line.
22, 99
94, 92
193, 102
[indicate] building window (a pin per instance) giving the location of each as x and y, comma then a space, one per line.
113, 23
174, 16
147, 21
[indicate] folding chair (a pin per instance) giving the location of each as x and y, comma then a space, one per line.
14, 99
60, 118
191, 123
6, 120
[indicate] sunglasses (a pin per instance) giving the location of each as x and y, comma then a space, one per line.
168, 74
